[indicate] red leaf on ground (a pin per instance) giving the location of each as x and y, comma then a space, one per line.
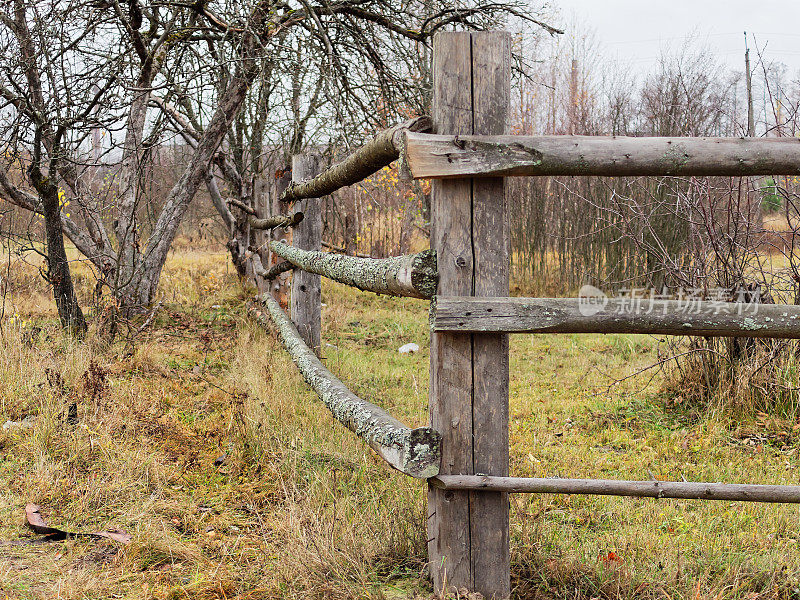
611, 557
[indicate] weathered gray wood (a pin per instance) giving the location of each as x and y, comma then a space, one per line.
414, 452
276, 221
609, 487
258, 237
618, 315
306, 287
279, 287
489, 518
450, 396
468, 533
379, 152
413, 275
443, 156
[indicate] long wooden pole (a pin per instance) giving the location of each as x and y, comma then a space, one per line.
412, 275
610, 487
414, 452
617, 315
450, 395
275, 221
379, 152
468, 530
447, 156
306, 288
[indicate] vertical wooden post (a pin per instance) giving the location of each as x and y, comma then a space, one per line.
261, 206
280, 285
468, 531
306, 303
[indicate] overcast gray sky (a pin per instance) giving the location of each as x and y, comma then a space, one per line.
636, 30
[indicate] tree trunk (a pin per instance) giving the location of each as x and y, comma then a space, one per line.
127, 277
69, 311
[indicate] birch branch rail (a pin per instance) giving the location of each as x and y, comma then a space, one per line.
412, 275
276, 221
617, 315
242, 206
414, 452
609, 487
277, 270
448, 156
381, 151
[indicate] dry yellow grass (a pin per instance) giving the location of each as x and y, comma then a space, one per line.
301, 509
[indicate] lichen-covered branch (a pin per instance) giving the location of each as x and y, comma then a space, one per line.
415, 452
413, 275
381, 151
276, 221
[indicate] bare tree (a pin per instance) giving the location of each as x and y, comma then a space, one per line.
133, 71
52, 84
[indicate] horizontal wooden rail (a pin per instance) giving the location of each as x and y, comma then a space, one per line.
276, 270
379, 152
242, 206
617, 315
609, 487
445, 156
412, 275
415, 452
276, 221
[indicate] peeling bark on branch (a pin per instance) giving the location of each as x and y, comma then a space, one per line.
381, 151
446, 156
412, 276
276, 221
414, 452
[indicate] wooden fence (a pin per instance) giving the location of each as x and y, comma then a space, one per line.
464, 452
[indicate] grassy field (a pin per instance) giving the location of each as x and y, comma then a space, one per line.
296, 507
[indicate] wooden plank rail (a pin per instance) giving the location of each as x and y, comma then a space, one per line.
610, 487
414, 452
412, 276
447, 156
379, 152
617, 315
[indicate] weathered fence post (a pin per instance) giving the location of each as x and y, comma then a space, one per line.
468, 531
306, 293
261, 237
279, 286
